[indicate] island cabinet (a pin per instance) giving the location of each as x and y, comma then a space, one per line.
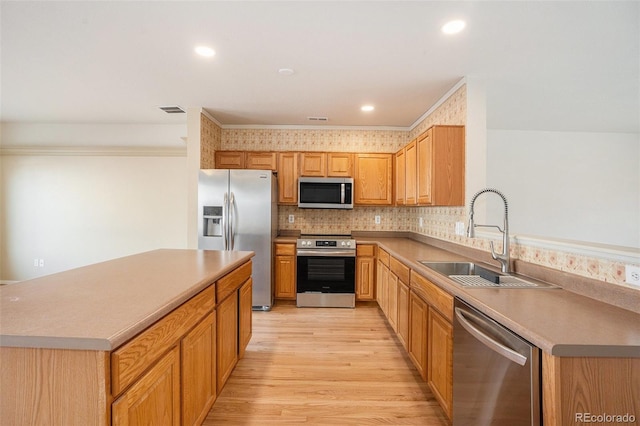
285, 271
373, 179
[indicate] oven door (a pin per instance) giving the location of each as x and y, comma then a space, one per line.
325, 273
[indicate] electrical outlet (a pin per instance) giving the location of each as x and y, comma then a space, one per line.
377, 220
291, 218
632, 273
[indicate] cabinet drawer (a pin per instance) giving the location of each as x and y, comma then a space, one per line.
130, 360
383, 256
365, 250
433, 295
232, 281
398, 268
285, 250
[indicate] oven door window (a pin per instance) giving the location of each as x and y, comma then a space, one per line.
326, 274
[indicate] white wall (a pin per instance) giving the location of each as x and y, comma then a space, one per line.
76, 210
567, 185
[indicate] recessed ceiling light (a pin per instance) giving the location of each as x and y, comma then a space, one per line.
367, 108
205, 51
453, 27
285, 71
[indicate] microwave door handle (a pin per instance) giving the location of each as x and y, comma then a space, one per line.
342, 192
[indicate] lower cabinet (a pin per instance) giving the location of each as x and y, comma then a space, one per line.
155, 398
418, 329
285, 271
440, 359
245, 316
227, 337
199, 371
365, 272
403, 314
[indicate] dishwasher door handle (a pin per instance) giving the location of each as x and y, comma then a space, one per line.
488, 341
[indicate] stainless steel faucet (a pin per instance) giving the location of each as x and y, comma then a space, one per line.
503, 257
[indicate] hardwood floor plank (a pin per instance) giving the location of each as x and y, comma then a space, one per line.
325, 366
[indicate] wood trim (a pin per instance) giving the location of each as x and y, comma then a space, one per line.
232, 281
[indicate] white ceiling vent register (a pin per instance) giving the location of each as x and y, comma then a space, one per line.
317, 119
172, 109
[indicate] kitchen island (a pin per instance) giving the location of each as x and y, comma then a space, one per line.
152, 336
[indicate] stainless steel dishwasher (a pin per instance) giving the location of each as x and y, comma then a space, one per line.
496, 373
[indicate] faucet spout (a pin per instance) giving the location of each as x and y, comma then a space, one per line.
504, 256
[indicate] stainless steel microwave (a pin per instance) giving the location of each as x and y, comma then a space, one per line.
325, 193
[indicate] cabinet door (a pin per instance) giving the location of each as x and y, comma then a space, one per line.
364, 278
229, 159
373, 179
440, 359
285, 271
245, 314
401, 177
199, 371
340, 164
418, 329
261, 160
226, 338
403, 313
155, 398
425, 168
410, 173
392, 307
382, 290
288, 178
313, 164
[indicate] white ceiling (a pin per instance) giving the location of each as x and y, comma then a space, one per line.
568, 65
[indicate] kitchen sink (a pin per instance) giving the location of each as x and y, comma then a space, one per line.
470, 274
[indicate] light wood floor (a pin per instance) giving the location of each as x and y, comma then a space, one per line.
325, 366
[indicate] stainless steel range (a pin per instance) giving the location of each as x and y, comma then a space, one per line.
326, 269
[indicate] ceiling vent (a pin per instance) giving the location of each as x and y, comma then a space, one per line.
317, 119
172, 109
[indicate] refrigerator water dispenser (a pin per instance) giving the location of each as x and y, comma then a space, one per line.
212, 216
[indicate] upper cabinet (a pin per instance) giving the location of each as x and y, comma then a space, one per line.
323, 164
259, 160
440, 166
288, 178
373, 179
229, 159
400, 176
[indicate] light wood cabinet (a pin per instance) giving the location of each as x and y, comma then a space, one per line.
245, 316
440, 359
441, 166
227, 338
288, 178
418, 329
260, 160
199, 371
229, 160
373, 179
339, 164
410, 158
392, 300
403, 314
382, 281
285, 271
313, 164
155, 398
400, 177
365, 272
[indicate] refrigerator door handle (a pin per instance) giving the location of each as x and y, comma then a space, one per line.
225, 214
232, 212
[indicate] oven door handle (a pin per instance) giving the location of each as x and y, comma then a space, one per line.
326, 253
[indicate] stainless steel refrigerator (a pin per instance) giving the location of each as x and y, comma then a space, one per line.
238, 210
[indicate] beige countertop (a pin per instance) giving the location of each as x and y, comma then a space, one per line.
558, 321
101, 306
